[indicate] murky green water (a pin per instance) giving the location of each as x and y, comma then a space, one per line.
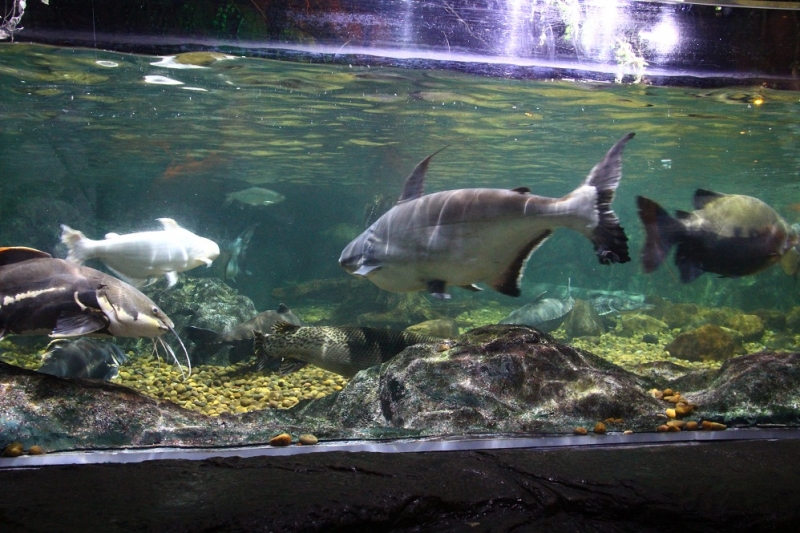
88, 142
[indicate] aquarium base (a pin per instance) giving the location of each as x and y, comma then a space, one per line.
720, 484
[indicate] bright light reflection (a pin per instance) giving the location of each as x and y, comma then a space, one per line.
663, 37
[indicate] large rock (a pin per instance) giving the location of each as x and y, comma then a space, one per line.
705, 343
751, 327
638, 325
494, 379
584, 321
758, 388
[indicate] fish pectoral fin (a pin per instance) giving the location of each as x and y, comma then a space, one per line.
438, 289
77, 324
472, 287
172, 279
364, 270
509, 279
289, 365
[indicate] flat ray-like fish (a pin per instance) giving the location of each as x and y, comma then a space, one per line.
544, 314
466, 236
344, 350
82, 358
138, 257
42, 295
728, 234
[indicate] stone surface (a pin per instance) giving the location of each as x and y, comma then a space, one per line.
636, 325
708, 342
584, 321
443, 328
494, 379
751, 327
759, 388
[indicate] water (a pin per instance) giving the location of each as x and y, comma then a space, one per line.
100, 141
87, 142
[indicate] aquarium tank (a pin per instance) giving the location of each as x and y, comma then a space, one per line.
253, 223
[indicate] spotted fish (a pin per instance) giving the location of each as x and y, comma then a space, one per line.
240, 337
343, 350
467, 236
727, 234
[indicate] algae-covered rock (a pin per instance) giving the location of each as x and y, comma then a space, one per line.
584, 321
793, 320
750, 326
494, 379
679, 315
761, 387
772, 318
443, 328
638, 325
708, 342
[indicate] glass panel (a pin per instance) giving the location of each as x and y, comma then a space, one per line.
231, 178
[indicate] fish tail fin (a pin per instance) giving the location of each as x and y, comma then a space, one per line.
608, 237
661, 232
77, 244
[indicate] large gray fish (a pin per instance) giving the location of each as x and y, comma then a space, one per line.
545, 314
41, 295
343, 350
728, 234
82, 358
467, 236
240, 337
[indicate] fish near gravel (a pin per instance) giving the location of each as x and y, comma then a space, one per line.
42, 295
345, 350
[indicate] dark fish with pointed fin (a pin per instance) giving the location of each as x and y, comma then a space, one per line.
728, 234
82, 358
41, 295
344, 350
467, 236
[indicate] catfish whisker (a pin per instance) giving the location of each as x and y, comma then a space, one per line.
185, 352
169, 350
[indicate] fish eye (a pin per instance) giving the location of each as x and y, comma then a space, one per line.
156, 311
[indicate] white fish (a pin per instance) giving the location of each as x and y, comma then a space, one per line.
255, 196
139, 257
466, 236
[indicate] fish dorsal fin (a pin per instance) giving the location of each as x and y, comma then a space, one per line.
168, 223
283, 308
281, 326
112, 235
16, 254
508, 281
702, 197
414, 185
521, 190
